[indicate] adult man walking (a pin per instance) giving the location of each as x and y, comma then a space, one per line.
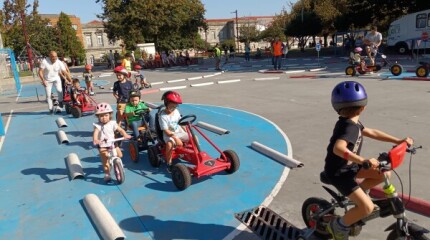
49, 72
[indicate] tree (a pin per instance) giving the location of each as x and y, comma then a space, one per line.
169, 24
40, 36
304, 28
68, 43
249, 33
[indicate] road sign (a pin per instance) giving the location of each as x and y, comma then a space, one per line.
318, 47
424, 36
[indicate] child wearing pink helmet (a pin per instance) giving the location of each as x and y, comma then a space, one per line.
104, 129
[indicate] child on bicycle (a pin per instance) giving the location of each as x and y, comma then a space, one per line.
173, 134
121, 91
104, 130
88, 76
141, 75
343, 162
133, 119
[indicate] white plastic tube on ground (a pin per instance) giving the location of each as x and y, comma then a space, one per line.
60, 122
62, 137
213, 128
102, 219
74, 166
281, 158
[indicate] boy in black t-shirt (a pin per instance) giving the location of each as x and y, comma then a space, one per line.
121, 91
343, 161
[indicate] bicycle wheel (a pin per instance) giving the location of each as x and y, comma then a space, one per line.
311, 208
118, 170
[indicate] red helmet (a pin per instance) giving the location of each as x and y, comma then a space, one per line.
137, 67
122, 70
171, 96
88, 67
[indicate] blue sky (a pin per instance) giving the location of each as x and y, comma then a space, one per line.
86, 10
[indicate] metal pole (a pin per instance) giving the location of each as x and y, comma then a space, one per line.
29, 53
237, 30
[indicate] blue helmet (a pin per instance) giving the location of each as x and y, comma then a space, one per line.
348, 94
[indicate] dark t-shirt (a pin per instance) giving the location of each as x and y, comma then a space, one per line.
349, 131
123, 90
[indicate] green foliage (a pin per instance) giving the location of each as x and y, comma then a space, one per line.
228, 43
249, 33
68, 43
168, 24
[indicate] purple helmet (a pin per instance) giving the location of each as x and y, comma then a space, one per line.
348, 94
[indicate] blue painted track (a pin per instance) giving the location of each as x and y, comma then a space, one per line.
39, 201
31, 90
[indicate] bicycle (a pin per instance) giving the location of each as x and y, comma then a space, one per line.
318, 212
115, 162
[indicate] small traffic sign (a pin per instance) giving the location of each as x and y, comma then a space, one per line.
318, 47
424, 36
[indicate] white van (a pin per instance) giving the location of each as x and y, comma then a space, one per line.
407, 28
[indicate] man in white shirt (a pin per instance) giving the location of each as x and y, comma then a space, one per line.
373, 39
49, 72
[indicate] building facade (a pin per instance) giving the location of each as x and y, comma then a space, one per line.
220, 30
76, 22
96, 43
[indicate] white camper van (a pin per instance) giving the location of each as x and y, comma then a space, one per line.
407, 28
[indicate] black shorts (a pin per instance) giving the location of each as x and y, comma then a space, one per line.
344, 182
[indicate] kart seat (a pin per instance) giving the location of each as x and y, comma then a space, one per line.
158, 128
324, 178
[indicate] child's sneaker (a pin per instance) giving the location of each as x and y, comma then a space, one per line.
107, 178
169, 168
336, 230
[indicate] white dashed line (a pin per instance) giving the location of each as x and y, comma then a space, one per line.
157, 83
177, 80
295, 71
202, 84
228, 81
264, 79
194, 78
172, 88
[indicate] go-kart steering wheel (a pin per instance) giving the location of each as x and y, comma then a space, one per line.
182, 121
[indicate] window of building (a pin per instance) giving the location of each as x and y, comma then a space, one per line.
88, 40
428, 20
421, 21
213, 35
99, 40
74, 26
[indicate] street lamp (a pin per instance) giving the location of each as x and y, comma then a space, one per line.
237, 30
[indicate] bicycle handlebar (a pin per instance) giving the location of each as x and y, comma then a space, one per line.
114, 140
384, 159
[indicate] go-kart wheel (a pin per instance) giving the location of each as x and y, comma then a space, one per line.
350, 71
134, 151
422, 71
233, 159
153, 156
181, 176
118, 170
76, 112
68, 108
187, 119
396, 69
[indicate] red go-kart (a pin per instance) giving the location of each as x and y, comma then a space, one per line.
86, 105
201, 164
